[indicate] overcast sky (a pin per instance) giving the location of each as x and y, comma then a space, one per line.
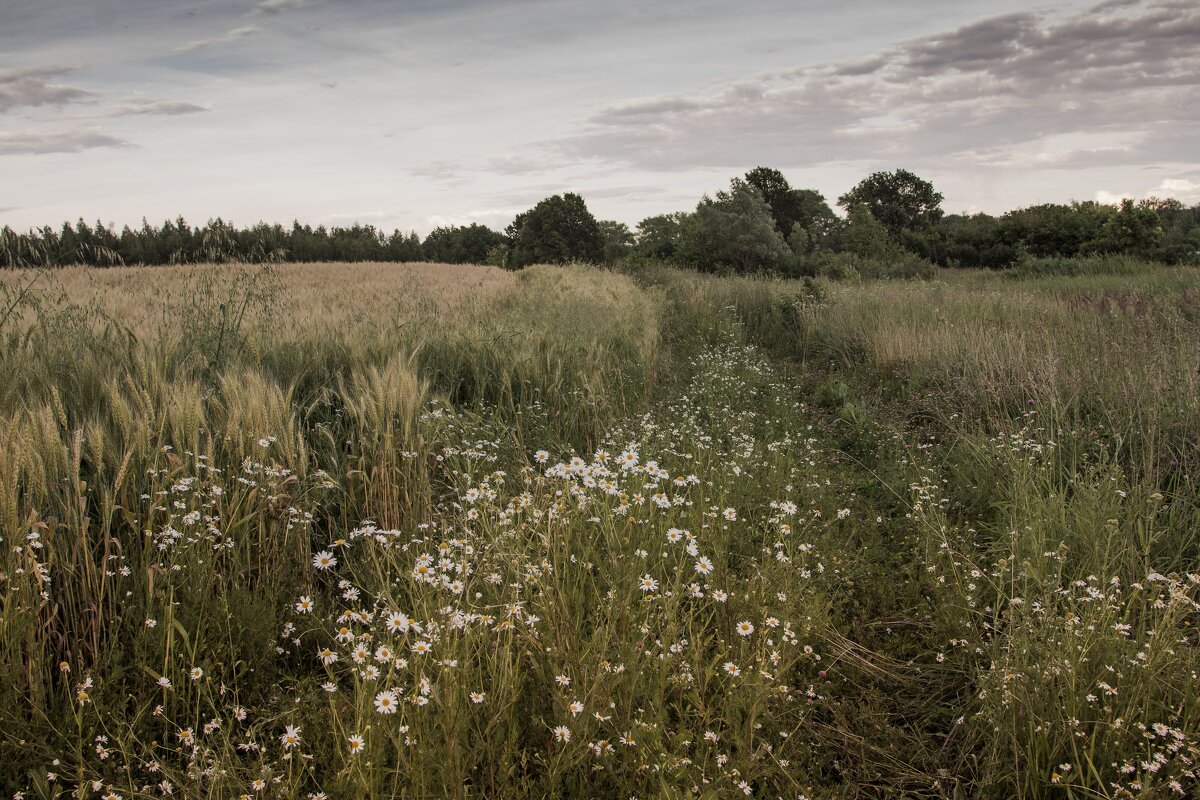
417, 113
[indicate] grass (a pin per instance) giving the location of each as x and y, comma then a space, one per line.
422, 530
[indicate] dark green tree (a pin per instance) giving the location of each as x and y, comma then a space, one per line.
733, 231
469, 244
618, 240
658, 236
557, 230
865, 236
1132, 229
899, 200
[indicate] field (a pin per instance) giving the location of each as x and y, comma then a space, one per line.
367, 531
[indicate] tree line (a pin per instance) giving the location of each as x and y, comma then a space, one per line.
894, 225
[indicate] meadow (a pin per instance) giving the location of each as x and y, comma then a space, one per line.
421, 530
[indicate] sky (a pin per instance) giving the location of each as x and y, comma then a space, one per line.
413, 114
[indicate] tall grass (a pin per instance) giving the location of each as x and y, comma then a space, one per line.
304, 532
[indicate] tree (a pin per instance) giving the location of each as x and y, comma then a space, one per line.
556, 230
469, 244
658, 236
899, 200
618, 240
791, 206
1132, 229
865, 236
735, 231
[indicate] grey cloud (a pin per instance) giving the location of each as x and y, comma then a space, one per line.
968, 96
988, 41
443, 171
156, 107
276, 6
865, 67
231, 36
34, 87
68, 142
513, 164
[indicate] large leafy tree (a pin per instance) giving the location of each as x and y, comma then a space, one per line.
658, 236
900, 200
468, 244
733, 231
556, 230
789, 207
866, 236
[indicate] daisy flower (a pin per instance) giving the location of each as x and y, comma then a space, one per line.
386, 702
290, 737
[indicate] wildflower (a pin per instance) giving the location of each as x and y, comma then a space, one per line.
239, 713
575, 707
164, 682
477, 697
720, 596
397, 622
732, 669
648, 584
562, 733
258, 784
187, 736
711, 736
421, 647
843, 513
304, 605
327, 656
196, 673
730, 514
745, 628
385, 702
356, 744
541, 456
324, 560
562, 680
383, 654
290, 737
704, 565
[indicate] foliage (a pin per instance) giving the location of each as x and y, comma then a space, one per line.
791, 207
733, 232
865, 236
658, 236
467, 244
557, 230
900, 200
618, 240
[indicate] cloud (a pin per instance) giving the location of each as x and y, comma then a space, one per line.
156, 107
33, 87
226, 38
68, 142
449, 172
982, 95
1185, 190
276, 6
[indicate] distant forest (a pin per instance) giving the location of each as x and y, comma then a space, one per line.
894, 225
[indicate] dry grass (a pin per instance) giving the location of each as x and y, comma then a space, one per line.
142, 298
